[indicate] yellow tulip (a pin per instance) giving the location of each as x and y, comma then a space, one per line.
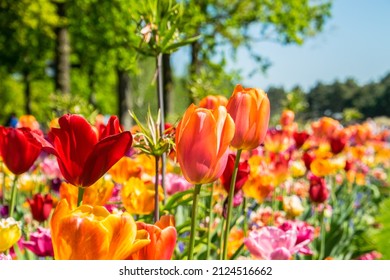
92, 233
10, 233
138, 196
292, 205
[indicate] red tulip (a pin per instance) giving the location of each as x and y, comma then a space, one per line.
308, 158
162, 240
111, 128
41, 206
318, 190
18, 148
300, 138
242, 174
337, 144
83, 156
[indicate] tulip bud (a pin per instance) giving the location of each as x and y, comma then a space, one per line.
318, 190
41, 206
250, 110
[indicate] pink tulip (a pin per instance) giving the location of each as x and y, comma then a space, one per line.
40, 243
176, 183
305, 234
272, 243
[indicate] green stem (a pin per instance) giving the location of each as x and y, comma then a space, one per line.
322, 235
230, 204
194, 217
223, 222
245, 222
4, 182
80, 196
210, 222
156, 193
13, 197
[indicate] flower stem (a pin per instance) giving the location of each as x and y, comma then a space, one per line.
245, 221
322, 235
161, 107
194, 217
13, 197
156, 193
4, 182
80, 196
210, 222
230, 203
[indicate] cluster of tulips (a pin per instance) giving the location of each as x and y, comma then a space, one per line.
221, 184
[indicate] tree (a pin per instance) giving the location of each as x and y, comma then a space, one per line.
26, 40
222, 23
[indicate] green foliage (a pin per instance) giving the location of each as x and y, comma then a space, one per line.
160, 27
382, 236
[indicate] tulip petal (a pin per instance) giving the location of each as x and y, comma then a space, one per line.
123, 232
103, 156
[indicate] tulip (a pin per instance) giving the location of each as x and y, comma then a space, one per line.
242, 174
176, 183
292, 205
162, 240
272, 243
40, 243
250, 110
97, 194
318, 190
277, 141
18, 148
287, 117
82, 155
10, 233
212, 102
300, 138
138, 196
337, 144
92, 233
305, 234
40, 206
124, 169
28, 121
202, 141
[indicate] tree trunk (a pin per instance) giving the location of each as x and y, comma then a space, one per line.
62, 62
167, 84
91, 84
124, 98
27, 93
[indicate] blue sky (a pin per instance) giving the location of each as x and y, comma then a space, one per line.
355, 43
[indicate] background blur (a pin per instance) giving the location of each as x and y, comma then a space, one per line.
318, 58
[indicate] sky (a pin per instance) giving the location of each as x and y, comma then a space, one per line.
355, 43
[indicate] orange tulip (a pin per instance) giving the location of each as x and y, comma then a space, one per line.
97, 194
212, 102
162, 240
138, 196
92, 233
287, 117
250, 110
124, 169
202, 141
